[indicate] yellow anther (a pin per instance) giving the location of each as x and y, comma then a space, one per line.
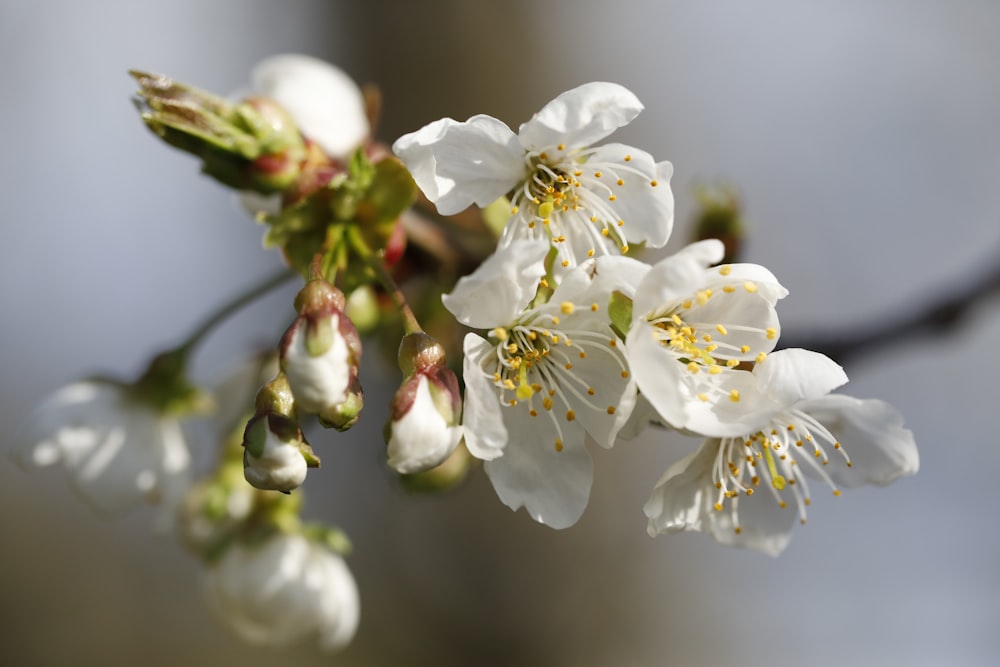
625, 375
721, 329
654, 183
569, 366
597, 174
590, 253
725, 270
565, 263
604, 231
583, 355
533, 412
500, 334
625, 249
718, 507
714, 370
620, 182
577, 172
590, 391
547, 403
807, 501
703, 397
738, 530
782, 504
612, 197
570, 415
621, 223
732, 363
543, 155
512, 348
749, 492
761, 357
561, 147
594, 307
628, 158
693, 367
750, 286
514, 210
509, 384
702, 297
771, 333
612, 409
728, 289
734, 395
559, 445
744, 349
612, 343
543, 282
687, 304
711, 348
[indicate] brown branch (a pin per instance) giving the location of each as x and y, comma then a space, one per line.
944, 315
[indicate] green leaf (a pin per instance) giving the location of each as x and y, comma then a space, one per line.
620, 312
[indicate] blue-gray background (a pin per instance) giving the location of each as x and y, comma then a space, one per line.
865, 138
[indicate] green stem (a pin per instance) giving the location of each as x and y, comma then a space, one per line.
374, 261
251, 295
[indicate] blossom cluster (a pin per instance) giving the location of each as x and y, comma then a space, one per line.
569, 342
575, 340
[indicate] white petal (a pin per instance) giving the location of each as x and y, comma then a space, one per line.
676, 277
500, 289
742, 274
317, 382
749, 319
657, 374
683, 496
646, 210
794, 375
326, 103
872, 434
684, 499
596, 279
764, 525
581, 116
485, 433
421, 439
721, 416
553, 486
459, 164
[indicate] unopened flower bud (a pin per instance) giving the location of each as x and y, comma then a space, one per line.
424, 426
320, 354
275, 452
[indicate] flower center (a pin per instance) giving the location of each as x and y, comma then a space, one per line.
569, 192
706, 346
536, 367
773, 458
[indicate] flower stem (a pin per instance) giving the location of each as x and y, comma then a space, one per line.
251, 295
375, 263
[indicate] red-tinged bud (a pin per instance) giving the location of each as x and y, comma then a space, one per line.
320, 355
275, 452
424, 426
395, 245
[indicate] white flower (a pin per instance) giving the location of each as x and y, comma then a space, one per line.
117, 451
585, 200
280, 591
321, 380
741, 490
691, 326
546, 376
277, 464
420, 436
325, 103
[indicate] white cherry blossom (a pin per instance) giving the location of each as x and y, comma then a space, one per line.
586, 201
284, 589
692, 326
117, 451
545, 376
325, 103
748, 490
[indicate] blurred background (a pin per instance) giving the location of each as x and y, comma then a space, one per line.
865, 141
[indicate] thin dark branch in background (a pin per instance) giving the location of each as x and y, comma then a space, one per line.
943, 315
